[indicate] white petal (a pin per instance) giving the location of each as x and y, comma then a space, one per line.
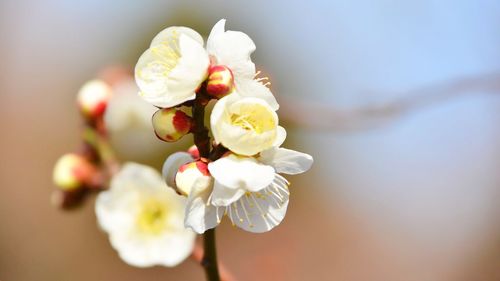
238, 172
149, 73
261, 211
192, 68
253, 88
112, 214
166, 35
172, 164
286, 161
201, 216
280, 137
216, 31
223, 196
168, 249
132, 174
217, 114
232, 49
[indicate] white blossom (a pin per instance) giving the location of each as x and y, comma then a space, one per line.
248, 190
144, 218
245, 125
170, 71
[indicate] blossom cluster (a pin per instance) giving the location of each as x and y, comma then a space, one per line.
144, 219
234, 169
239, 175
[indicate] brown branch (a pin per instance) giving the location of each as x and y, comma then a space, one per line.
202, 142
197, 256
318, 116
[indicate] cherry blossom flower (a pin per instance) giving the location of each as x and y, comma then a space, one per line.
249, 190
245, 125
144, 219
174, 66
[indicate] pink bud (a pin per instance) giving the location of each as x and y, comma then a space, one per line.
191, 174
171, 124
93, 98
220, 81
72, 171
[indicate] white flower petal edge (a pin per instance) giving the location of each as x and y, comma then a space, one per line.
254, 88
237, 172
280, 137
235, 175
172, 164
170, 71
200, 214
224, 196
169, 32
144, 219
286, 161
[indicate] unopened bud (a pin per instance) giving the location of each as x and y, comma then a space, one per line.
93, 98
171, 124
72, 171
191, 174
220, 81
195, 153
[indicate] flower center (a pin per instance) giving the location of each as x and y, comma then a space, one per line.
255, 118
152, 217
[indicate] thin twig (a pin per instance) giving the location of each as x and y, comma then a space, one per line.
103, 148
321, 116
197, 256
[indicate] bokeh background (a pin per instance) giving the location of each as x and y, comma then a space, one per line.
403, 192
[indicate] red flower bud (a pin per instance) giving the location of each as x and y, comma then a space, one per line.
190, 174
220, 81
93, 98
171, 124
72, 171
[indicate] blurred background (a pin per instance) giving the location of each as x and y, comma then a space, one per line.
396, 100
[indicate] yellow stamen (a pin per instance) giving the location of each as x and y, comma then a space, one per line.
152, 217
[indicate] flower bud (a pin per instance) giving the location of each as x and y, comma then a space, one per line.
93, 98
171, 124
220, 81
72, 171
195, 153
191, 174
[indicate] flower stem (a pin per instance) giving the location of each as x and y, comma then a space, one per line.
200, 132
197, 256
100, 143
202, 142
209, 261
